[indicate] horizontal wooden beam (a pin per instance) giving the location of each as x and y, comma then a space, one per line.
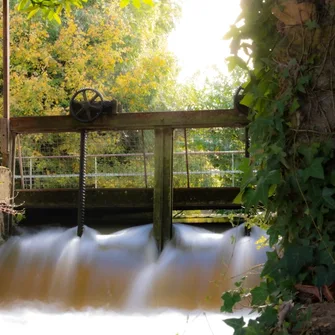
125, 199
131, 121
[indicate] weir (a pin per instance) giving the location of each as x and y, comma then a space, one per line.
173, 273
124, 270
93, 115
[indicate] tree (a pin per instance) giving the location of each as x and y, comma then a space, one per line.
290, 96
53, 9
120, 52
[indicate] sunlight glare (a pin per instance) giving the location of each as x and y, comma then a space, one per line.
198, 41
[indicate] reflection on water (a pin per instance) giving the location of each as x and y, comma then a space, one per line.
106, 275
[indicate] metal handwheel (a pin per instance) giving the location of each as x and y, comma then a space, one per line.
86, 105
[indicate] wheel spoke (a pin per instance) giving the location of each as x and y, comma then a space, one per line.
85, 96
80, 110
88, 114
95, 96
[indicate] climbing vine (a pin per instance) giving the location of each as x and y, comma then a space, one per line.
290, 96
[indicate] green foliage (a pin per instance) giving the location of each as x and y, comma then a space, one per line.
52, 10
292, 138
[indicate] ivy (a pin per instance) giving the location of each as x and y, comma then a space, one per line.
292, 151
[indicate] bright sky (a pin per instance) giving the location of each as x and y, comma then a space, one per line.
198, 38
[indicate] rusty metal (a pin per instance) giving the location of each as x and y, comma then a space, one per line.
82, 184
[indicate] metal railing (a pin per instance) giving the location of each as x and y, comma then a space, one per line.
28, 173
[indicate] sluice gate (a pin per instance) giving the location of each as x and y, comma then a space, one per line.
162, 146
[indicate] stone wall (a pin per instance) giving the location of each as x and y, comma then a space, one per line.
5, 188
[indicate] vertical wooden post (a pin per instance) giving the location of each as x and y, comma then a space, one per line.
5, 133
163, 190
11, 164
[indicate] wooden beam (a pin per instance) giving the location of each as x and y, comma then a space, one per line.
131, 121
124, 199
163, 191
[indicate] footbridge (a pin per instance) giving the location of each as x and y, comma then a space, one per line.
153, 162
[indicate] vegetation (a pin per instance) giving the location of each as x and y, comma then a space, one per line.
291, 100
122, 52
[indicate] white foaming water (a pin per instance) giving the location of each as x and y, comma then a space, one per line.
41, 319
120, 282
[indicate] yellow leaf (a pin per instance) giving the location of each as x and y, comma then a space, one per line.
149, 2
124, 3
33, 12
137, 3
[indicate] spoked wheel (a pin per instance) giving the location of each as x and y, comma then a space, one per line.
86, 105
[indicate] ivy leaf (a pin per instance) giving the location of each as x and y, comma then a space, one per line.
262, 191
234, 61
259, 294
332, 178
273, 177
280, 105
324, 275
294, 106
269, 316
308, 153
302, 82
296, 257
272, 265
253, 328
229, 301
238, 198
315, 170
327, 195
312, 24
237, 324
248, 100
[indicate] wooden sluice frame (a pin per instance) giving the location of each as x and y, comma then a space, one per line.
163, 123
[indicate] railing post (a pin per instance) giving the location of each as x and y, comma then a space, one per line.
30, 173
186, 159
95, 172
233, 168
19, 149
163, 191
144, 161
